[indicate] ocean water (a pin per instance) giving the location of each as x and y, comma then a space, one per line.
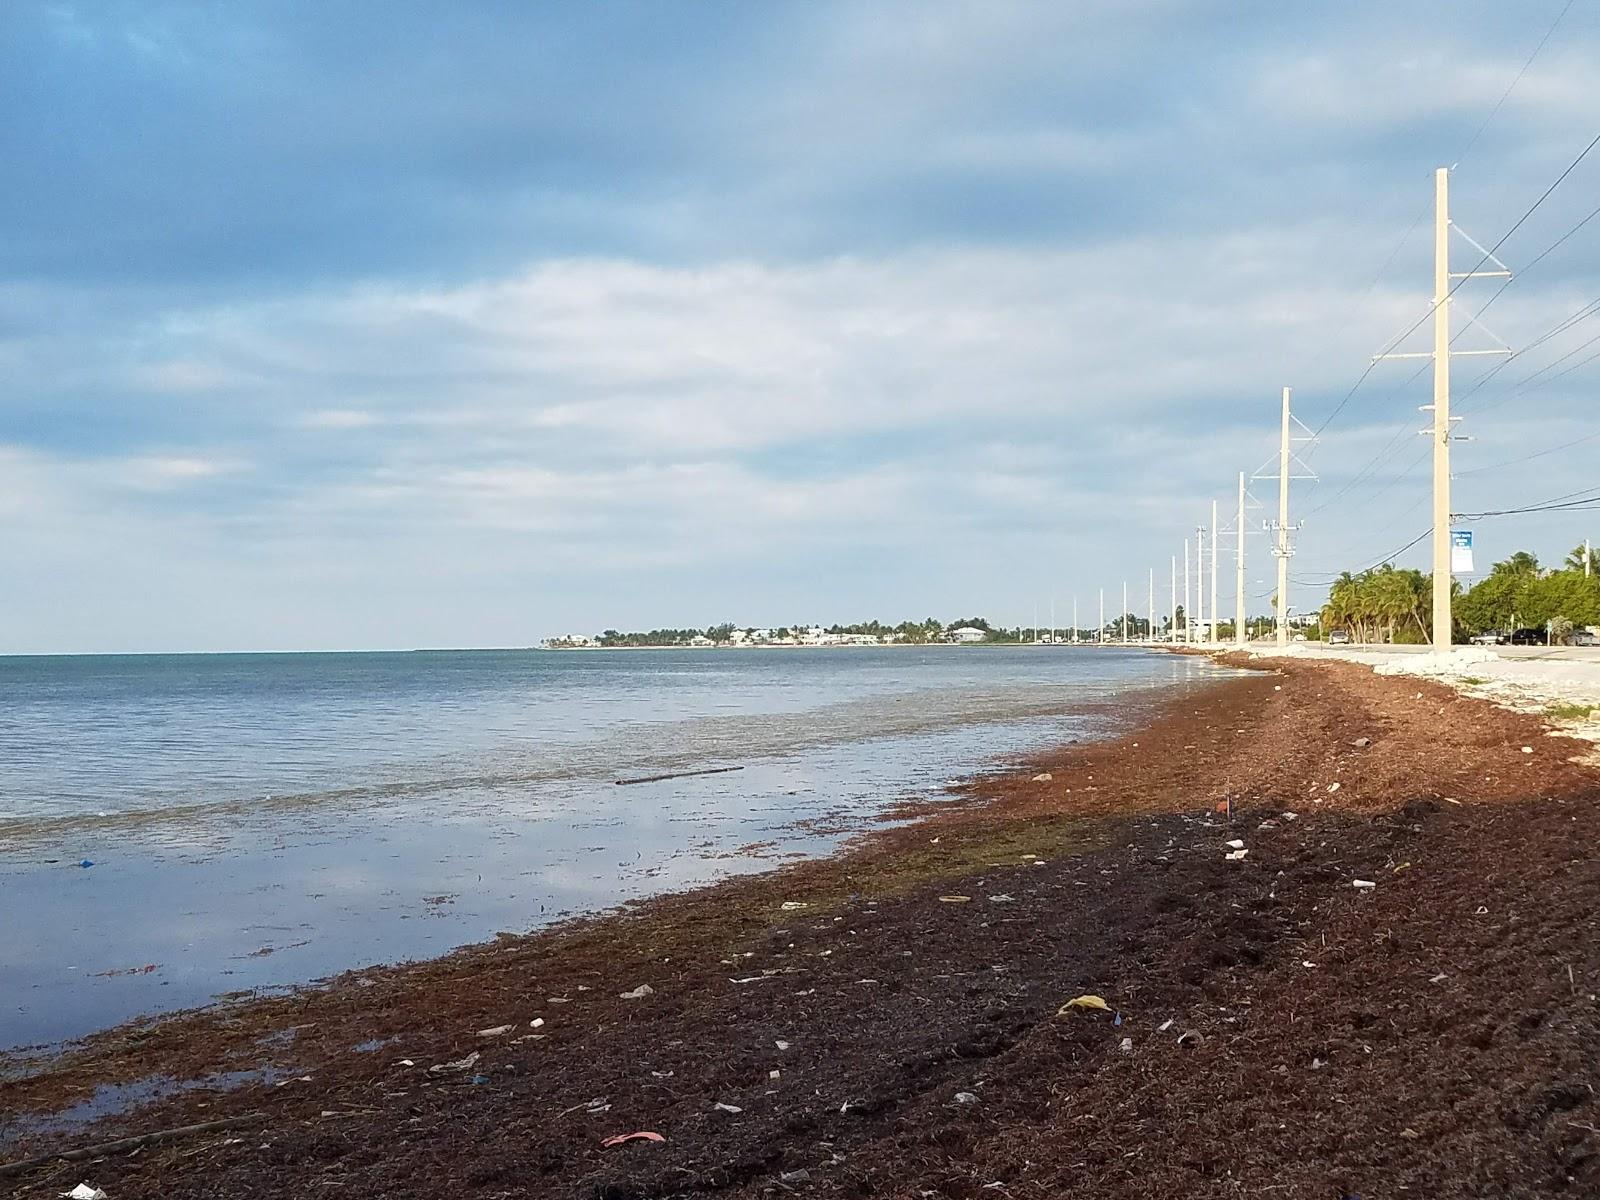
257, 821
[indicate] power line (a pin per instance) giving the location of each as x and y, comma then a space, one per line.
1583, 498
1506, 95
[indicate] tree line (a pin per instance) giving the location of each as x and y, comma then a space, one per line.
1391, 604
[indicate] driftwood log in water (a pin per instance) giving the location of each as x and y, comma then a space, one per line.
677, 775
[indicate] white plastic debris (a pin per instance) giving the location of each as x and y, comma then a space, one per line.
791, 905
85, 1192
639, 993
1363, 885
966, 1098
727, 1108
1333, 787
1165, 1025
781, 1045
774, 1074
405, 1062
536, 1023
1126, 1045
460, 1064
1043, 777
1235, 844
1235, 855
1527, 749
496, 1031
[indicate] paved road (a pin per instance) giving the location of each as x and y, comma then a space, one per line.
1544, 653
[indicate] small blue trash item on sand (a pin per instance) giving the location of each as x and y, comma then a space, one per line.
86, 863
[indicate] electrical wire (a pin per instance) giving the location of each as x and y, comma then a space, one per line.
1506, 95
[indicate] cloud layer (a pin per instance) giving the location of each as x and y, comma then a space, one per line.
494, 323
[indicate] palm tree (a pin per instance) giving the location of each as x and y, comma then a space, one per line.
1575, 560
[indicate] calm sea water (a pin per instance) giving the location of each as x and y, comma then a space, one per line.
265, 820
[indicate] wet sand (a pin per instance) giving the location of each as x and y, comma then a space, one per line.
885, 1021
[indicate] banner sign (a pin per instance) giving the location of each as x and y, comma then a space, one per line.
1461, 552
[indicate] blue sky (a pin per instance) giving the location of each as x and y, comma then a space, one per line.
337, 325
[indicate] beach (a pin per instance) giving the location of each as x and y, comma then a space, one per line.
1391, 992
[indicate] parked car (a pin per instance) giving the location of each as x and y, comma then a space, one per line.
1582, 637
1489, 639
1338, 637
1529, 637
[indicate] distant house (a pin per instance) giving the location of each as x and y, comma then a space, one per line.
571, 641
967, 633
701, 639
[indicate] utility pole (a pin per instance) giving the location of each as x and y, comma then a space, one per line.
1216, 538
1150, 633
1443, 580
1238, 604
1188, 598
1100, 634
1282, 550
1200, 580
1124, 612
1172, 631
1074, 620
1586, 556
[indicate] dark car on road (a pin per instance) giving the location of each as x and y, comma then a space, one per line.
1529, 637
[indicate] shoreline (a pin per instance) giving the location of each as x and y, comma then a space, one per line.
920, 962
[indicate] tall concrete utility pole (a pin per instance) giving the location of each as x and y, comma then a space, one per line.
1238, 583
1586, 556
1124, 611
1442, 578
1282, 550
1172, 595
1441, 353
1188, 600
1216, 539
1150, 633
1074, 620
1100, 634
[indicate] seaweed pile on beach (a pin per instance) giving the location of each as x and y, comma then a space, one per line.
1329, 934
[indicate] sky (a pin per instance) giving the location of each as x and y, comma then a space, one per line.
348, 326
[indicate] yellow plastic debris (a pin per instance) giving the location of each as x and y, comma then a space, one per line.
1086, 1002
954, 899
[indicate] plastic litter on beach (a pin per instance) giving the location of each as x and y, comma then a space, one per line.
496, 1031
1363, 885
1086, 1002
638, 993
84, 1192
1165, 1025
644, 1135
1191, 1037
1235, 844
1235, 855
1125, 1045
966, 1098
460, 1064
781, 1045
727, 1108
954, 899
791, 905
1043, 777
89, 862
